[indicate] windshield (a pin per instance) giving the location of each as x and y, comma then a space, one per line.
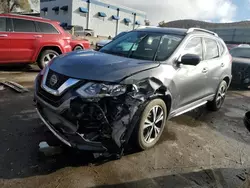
143, 45
119, 35
240, 52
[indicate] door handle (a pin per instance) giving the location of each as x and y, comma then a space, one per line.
204, 70
38, 36
222, 64
3, 35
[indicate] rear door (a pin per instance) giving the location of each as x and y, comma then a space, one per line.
5, 53
23, 40
215, 65
47, 34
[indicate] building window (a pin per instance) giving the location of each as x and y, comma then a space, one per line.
127, 21
56, 9
102, 14
115, 17
137, 23
45, 10
83, 10
64, 8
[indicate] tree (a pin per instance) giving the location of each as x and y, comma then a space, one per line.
4, 6
7, 6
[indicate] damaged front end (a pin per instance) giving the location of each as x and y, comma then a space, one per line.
94, 116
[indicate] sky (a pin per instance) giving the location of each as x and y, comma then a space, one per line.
206, 10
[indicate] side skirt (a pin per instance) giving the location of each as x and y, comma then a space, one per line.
191, 106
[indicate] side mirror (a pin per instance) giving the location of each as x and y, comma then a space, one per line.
189, 59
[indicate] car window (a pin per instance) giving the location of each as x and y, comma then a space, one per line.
46, 28
167, 46
119, 35
2, 24
211, 49
194, 46
240, 52
21, 25
221, 48
136, 45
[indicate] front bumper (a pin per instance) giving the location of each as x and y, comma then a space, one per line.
72, 140
54, 110
63, 117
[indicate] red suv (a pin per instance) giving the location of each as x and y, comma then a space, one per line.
27, 39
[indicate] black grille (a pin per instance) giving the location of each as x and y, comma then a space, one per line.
60, 79
49, 98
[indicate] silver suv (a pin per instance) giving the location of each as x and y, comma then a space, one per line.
100, 100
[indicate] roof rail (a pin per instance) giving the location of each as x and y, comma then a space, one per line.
203, 30
28, 16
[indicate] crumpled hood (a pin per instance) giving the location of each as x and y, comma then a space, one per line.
93, 65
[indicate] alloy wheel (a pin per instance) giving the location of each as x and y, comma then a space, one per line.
48, 57
221, 95
153, 124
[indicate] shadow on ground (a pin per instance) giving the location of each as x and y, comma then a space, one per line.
226, 178
19, 68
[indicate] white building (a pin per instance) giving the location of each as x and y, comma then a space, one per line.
104, 18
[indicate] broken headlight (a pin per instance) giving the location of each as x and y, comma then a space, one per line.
92, 89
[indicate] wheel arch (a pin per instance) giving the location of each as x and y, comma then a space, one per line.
227, 80
78, 45
50, 47
166, 96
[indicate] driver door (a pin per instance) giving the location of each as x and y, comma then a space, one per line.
190, 80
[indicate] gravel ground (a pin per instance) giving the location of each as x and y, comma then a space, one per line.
199, 149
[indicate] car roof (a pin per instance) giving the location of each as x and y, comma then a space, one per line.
166, 30
179, 31
26, 17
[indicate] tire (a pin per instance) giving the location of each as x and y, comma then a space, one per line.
88, 35
78, 47
142, 133
219, 98
45, 57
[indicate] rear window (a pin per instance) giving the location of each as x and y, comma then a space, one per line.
21, 25
46, 28
2, 24
211, 49
240, 52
